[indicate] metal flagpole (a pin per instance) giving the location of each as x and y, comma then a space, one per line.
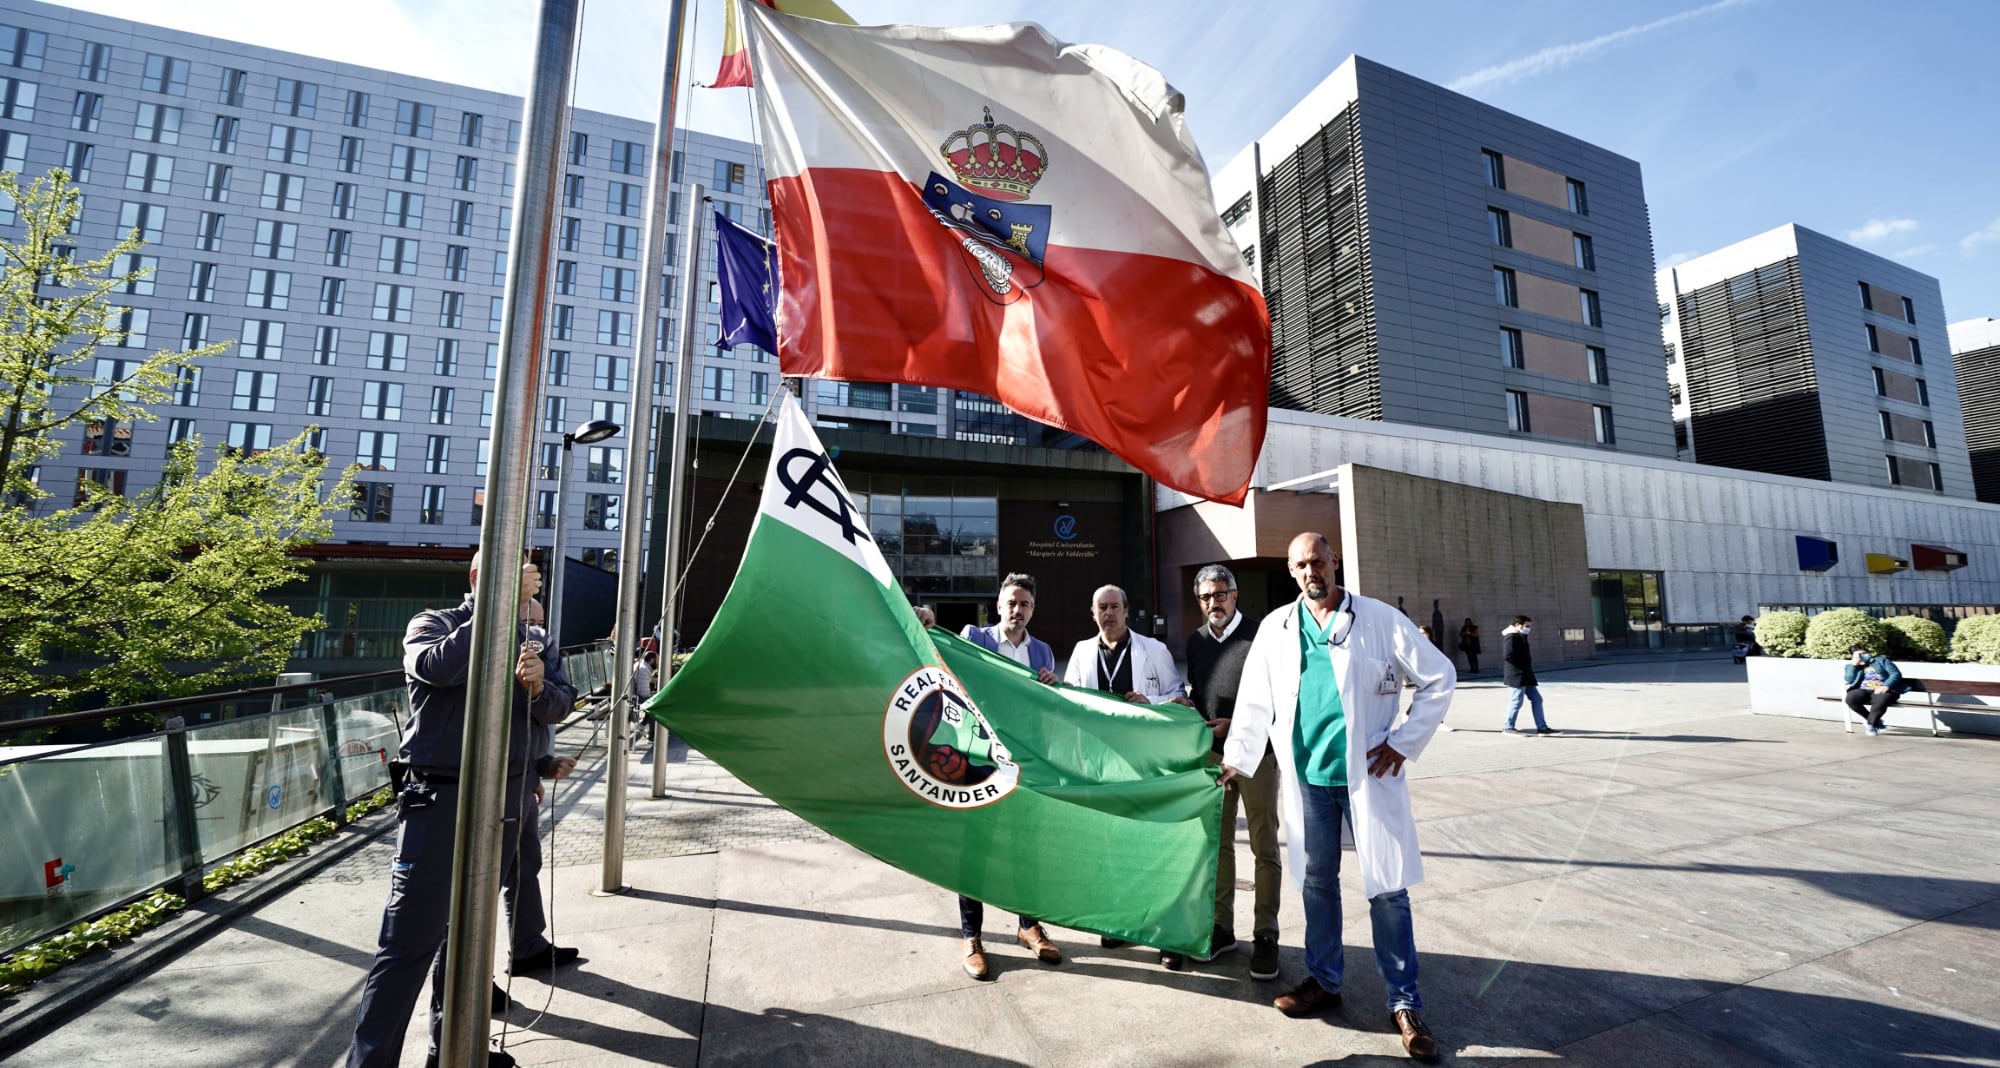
639, 468
684, 376
475, 871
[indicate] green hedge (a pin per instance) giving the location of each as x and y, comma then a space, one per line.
1976, 640
1782, 633
1914, 638
1831, 634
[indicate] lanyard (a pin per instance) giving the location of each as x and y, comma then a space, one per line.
1110, 671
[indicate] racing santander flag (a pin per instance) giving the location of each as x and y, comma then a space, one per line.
818, 688
986, 208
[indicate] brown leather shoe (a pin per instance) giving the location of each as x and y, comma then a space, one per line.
1038, 942
1306, 999
1418, 1041
975, 958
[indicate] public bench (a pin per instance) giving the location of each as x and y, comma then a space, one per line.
1932, 689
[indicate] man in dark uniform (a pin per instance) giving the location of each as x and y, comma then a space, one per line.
1216, 652
437, 658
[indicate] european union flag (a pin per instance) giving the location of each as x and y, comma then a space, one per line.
748, 265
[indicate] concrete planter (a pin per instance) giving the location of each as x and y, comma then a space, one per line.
1786, 686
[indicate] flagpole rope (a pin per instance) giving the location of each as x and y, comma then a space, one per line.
762, 421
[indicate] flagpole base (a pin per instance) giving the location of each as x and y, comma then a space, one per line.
613, 892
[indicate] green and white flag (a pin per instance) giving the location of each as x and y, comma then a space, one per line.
817, 687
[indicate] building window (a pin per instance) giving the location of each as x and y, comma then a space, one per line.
1578, 203
398, 255
1237, 212
282, 192
22, 48
77, 158
432, 512
566, 277
319, 396
382, 400
461, 218
249, 439
1503, 288
1517, 411
728, 176
612, 373
446, 363
355, 113
606, 464
194, 331
256, 391
201, 283
262, 339
289, 144
456, 258
570, 239
1496, 168
614, 328
338, 244
96, 65
1499, 228
414, 119
573, 191
496, 308
343, 200
1881, 383
465, 175
269, 289
485, 420
441, 402
500, 268
616, 284
1874, 341
451, 310
469, 126
1916, 352
215, 187
718, 384
223, 139
179, 430
159, 124
1937, 476
622, 198
1923, 393
1888, 426
1895, 471
387, 352
437, 454
545, 509
376, 451
760, 387
1591, 308
409, 164
326, 344
579, 149
276, 240
600, 511
609, 411
628, 157
1930, 435
1867, 296
1600, 364
130, 324
1586, 254
296, 98
86, 112
187, 387
557, 364
107, 438
165, 74
621, 242
1909, 311
374, 502
555, 411
1601, 417
551, 465
1511, 354
149, 219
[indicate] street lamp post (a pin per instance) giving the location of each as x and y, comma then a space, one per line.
588, 434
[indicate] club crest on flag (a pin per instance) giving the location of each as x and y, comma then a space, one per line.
939, 745
1001, 165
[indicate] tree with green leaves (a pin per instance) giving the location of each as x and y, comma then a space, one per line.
162, 592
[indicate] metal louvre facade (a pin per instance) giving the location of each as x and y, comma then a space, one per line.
1313, 237
1979, 400
1758, 406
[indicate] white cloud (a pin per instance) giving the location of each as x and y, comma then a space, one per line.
1677, 259
1985, 235
1560, 56
1876, 229
1913, 252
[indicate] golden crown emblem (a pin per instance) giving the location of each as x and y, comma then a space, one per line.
996, 159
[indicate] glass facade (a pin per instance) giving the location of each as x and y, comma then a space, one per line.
940, 536
1627, 609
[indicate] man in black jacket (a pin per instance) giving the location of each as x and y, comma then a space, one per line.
437, 657
1215, 655
1519, 674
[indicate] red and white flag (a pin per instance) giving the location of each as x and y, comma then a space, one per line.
988, 209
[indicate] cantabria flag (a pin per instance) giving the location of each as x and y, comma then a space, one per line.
818, 688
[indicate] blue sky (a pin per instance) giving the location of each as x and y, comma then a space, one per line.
1870, 122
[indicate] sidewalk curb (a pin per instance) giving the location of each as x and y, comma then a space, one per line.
64, 997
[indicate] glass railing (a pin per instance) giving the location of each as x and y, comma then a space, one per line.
85, 828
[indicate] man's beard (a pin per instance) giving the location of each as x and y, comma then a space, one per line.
1316, 589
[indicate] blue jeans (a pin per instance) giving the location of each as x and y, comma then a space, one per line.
1534, 696
1395, 942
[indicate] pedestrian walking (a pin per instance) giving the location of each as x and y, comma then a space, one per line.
1468, 643
1518, 672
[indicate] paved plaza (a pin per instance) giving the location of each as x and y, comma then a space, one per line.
1671, 881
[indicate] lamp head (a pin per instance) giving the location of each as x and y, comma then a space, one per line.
595, 431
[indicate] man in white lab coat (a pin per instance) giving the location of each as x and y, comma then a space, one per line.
1323, 685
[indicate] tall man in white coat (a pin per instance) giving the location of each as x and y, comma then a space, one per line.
1323, 685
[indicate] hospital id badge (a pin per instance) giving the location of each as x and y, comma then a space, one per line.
1390, 684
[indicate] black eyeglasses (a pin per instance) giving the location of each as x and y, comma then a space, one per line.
1214, 596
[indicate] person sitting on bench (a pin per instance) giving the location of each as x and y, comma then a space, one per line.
1873, 684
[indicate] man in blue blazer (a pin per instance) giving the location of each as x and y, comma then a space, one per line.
1009, 638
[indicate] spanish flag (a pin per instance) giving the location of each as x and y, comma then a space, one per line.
735, 68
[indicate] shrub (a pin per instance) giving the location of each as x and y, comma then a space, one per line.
1914, 638
1831, 634
1782, 633
1976, 640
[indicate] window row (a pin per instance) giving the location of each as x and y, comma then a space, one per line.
1889, 303
1919, 473
1500, 228
1520, 421
1495, 165
1507, 293
1513, 353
